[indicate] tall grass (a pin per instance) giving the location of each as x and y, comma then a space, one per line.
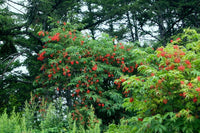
47, 118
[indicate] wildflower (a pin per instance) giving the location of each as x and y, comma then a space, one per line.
77, 90
94, 68
140, 119
88, 91
160, 49
175, 46
41, 33
131, 100
177, 60
197, 89
190, 84
194, 99
198, 78
187, 62
55, 37
165, 101
72, 62
50, 75
181, 68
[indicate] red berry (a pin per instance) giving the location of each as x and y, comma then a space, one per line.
197, 89
72, 62
88, 91
163, 54
198, 78
64, 73
187, 62
177, 60
94, 68
195, 100
50, 75
181, 68
190, 84
175, 46
140, 119
77, 90
165, 101
131, 100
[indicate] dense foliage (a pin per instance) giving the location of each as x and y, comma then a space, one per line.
83, 70
21, 21
165, 93
131, 85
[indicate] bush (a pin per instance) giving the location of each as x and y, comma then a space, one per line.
83, 71
166, 92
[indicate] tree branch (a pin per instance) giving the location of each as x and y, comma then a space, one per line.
186, 13
15, 8
17, 55
21, 81
149, 33
17, 3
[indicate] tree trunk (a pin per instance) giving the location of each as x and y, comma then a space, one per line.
130, 26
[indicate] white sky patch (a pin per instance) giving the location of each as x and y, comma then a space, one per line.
14, 7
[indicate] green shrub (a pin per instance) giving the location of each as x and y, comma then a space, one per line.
45, 118
166, 91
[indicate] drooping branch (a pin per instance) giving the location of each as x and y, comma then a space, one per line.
15, 8
17, 3
10, 56
16, 56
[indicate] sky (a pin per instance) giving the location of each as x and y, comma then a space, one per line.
15, 7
